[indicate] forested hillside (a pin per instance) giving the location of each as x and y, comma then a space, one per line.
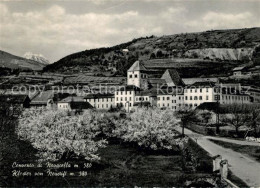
231, 48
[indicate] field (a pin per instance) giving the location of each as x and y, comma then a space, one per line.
121, 165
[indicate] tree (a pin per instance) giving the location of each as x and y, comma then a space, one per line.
149, 128
205, 116
58, 136
236, 115
186, 115
254, 118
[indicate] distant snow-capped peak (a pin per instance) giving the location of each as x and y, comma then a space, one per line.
36, 57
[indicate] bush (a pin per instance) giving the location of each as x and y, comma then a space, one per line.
153, 129
58, 136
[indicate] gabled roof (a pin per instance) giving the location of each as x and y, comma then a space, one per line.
15, 99
99, 95
72, 99
137, 66
150, 93
172, 76
43, 97
203, 84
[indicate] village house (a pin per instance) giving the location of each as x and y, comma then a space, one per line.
141, 90
13, 104
198, 93
241, 72
125, 97
73, 103
43, 99
209, 92
101, 101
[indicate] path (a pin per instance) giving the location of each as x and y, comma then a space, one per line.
230, 140
243, 167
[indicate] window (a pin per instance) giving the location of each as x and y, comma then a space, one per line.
195, 105
200, 90
207, 89
130, 76
207, 97
102, 105
121, 92
135, 75
163, 98
200, 97
158, 98
117, 92
191, 90
107, 105
190, 97
111, 99
168, 104
121, 98
102, 100
186, 98
126, 98
130, 92
107, 99
130, 104
195, 98
117, 99
168, 98
195, 90
130, 98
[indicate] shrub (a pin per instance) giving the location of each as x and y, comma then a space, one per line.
58, 136
152, 128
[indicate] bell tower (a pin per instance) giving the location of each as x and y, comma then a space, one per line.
137, 75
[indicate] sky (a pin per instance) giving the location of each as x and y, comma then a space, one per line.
58, 28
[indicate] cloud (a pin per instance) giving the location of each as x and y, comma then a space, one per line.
55, 27
55, 32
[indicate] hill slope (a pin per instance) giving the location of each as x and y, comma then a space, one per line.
10, 61
225, 48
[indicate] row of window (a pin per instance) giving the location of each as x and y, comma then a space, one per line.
196, 98
64, 106
235, 98
102, 106
136, 76
195, 90
122, 98
191, 105
123, 92
166, 98
101, 100
167, 105
141, 98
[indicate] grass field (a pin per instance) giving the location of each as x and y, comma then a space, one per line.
120, 165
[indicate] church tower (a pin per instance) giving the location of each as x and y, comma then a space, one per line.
137, 75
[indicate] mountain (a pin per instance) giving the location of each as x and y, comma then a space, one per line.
36, 57
12, 62
208, 53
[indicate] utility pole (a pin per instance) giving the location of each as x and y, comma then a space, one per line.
217, 97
